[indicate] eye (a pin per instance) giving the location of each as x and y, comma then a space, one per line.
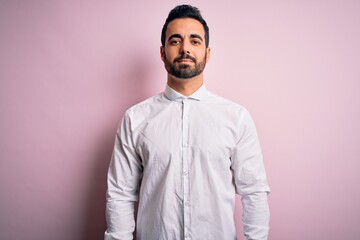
195, 42
174, 42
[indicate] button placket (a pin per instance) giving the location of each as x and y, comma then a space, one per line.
185, 169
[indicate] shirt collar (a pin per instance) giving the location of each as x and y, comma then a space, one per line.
173, 95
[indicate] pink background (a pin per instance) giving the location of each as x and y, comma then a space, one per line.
69, 69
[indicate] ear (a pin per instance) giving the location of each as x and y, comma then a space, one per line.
208, 50
162, 53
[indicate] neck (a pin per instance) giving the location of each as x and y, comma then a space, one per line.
185, 86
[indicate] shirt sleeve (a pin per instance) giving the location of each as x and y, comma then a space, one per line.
250, 181
123, 183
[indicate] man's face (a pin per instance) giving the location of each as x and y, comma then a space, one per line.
185, 54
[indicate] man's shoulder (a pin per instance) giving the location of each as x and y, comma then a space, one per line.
225, 102
229, 109
145, 105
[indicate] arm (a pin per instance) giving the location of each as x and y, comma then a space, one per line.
123, 183
255, 216
250, 181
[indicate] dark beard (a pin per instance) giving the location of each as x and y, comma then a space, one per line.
181, 70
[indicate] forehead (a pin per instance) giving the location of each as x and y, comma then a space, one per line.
185, 26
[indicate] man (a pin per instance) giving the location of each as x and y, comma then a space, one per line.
183, 154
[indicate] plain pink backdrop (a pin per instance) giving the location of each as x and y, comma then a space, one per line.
69, 69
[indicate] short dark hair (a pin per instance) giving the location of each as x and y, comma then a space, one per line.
185, 11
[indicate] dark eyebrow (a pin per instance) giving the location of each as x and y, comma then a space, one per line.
176, 35
196, 36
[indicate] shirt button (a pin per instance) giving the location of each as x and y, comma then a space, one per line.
185, 173
187, 236
187, 203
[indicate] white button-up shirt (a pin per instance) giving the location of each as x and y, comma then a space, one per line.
183, 159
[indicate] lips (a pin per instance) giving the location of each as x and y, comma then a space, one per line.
185, 58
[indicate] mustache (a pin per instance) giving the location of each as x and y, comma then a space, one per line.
185, 56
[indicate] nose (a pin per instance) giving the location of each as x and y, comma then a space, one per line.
185, 48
